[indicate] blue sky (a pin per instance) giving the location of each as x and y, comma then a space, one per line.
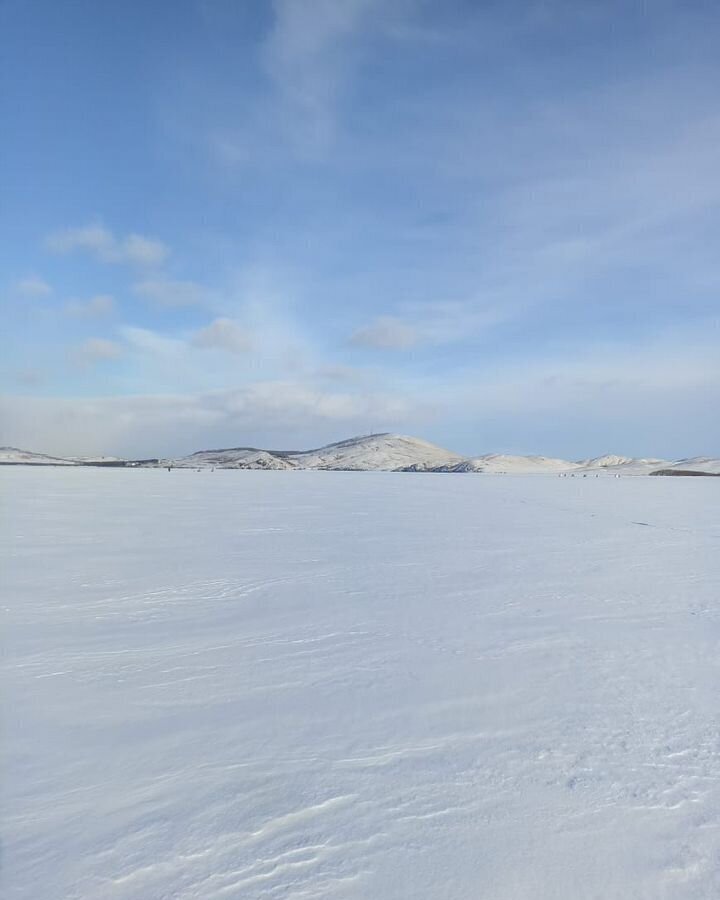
493, 225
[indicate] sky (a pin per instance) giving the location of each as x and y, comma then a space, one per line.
493, 225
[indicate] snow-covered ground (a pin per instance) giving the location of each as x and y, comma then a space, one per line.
359, 685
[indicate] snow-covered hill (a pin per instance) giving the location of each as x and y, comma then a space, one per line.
95, 460
605, 462
237, 458
506, 464
386, 452
11, 456
501, 463
382, 452
622, 465
695, 464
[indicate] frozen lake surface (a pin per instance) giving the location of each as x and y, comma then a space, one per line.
378, 686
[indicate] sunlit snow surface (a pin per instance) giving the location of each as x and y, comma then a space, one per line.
359, 685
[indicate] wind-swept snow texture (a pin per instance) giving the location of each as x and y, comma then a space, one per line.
359, 685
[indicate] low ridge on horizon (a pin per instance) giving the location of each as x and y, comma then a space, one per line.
379, 451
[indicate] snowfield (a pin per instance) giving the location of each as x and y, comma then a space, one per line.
302, 684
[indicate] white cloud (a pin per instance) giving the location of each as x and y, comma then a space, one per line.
170, 293
655, 378
264, 413
33, 286
222, 334
95, 350
100, 305
100, 242
386, 333
278, 401
304, 55
445, 322
137, 248
152, 343
340, 373
94, 238
450, 322
651, 395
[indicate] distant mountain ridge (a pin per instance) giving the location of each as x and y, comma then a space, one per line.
11, 456
382, 452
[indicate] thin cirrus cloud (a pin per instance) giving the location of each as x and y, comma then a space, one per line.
223, 334
303, 56
308, 59
33, 286
96, 350
170, 293
432, 324
100, 305
386, 333
106, 247
152, 344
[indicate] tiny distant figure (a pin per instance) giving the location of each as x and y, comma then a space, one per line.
169, 467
